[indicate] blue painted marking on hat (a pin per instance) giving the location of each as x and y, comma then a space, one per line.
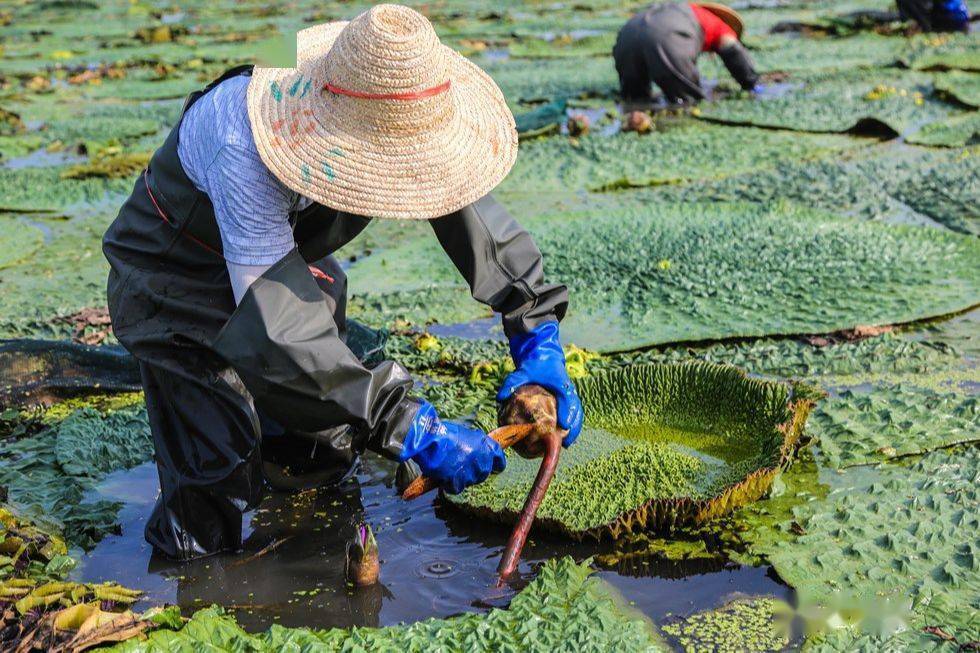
295, 87
276, 91
328, 171
306, 88
307, 176
337, 152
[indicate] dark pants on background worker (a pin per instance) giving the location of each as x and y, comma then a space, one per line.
661, 46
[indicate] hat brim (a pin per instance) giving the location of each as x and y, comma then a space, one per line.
728, 15
382, 173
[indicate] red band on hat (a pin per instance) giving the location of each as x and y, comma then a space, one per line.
417, 95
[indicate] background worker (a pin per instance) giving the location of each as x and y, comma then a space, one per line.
936, 15
661, 44
224, 287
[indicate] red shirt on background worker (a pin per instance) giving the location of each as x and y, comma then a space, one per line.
661, 45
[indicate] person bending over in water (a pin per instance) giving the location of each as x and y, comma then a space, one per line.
661, 44
224, 287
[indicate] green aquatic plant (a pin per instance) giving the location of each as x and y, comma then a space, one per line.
789, 53
664, 446
942, 52
960, 86
889, 103
68, 273
685, 151
44, 190
20, 242
28, 551
880, 182
954, 132
736, 270
563, 606
947, 191
762, 625
888, 354
48, 474
891, 420
109, 164
563, 45
905, 532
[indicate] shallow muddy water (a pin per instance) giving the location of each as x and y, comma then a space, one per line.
434, 563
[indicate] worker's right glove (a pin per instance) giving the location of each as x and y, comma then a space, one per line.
453, 455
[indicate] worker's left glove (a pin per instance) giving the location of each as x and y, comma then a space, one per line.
452, 454
540, 360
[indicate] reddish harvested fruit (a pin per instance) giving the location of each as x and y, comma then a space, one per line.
637, 121
530, 404
578, 124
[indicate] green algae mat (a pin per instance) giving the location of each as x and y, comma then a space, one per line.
564, 608
672, 273
663, 446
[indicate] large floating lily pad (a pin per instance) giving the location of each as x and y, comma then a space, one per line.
670, 273
561, 606
18, 241
948, 191
882, 182
902, 536
786, 53
32, 190
961, 86
891, 101
943, 52
956, 131
663, 445
686, 151
892, 420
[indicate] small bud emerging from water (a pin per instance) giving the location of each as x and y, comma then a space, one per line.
578, 124
362, 558
637, 121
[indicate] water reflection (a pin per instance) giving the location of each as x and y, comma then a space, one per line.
434, 561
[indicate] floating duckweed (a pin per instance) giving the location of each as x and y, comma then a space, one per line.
757, 625
664, 445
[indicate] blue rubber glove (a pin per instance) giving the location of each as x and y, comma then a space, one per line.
540, 360
454, 455
955, 11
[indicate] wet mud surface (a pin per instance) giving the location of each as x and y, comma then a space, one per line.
434, 561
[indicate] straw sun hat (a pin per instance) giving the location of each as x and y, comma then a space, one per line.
380, 119
728, 15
